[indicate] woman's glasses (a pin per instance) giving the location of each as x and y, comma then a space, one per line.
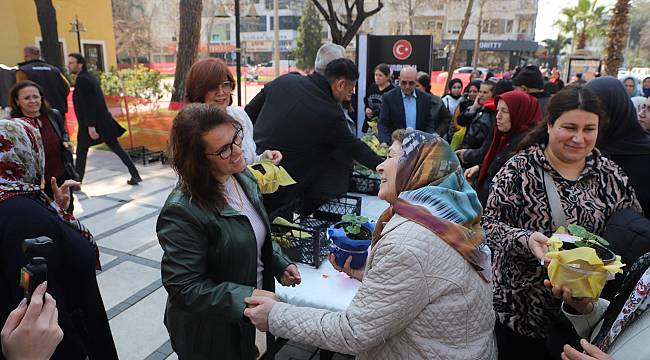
225, 151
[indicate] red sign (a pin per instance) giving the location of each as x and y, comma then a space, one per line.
402, 49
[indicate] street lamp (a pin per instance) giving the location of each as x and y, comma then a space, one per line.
77, 27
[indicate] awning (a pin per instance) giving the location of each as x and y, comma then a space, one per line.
499, 45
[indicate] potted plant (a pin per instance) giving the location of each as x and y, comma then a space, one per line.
581, 261
351, 237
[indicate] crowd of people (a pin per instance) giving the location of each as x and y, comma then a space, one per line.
475, 183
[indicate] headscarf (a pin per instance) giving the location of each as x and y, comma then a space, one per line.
646, 90
22, 164
433, 193
626, 307
636, 85
624, 135
525, 113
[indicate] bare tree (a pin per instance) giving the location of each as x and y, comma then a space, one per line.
479, 29
188, 43
132, 24
350, 22
459, 41
50, 48
617, 36
409, 9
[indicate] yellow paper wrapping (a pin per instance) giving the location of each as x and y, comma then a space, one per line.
581, 270
270, 176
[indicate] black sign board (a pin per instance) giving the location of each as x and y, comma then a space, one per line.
394, 51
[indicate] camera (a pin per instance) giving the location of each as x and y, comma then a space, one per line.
35, 272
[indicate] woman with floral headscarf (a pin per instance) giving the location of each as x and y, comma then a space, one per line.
27, 213
426, 288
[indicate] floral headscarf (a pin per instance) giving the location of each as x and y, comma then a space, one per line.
22, 165
433, 193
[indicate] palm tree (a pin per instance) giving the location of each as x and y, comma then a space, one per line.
554, 48
617, 37
584, 21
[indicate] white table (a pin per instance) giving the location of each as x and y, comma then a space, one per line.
322, 288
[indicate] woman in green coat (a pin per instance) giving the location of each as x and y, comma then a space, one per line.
216, 240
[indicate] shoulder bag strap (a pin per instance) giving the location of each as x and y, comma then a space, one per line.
557, 214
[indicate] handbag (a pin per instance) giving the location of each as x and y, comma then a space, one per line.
70, 172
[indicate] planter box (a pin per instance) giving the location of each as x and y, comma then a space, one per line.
145, 156
364, 184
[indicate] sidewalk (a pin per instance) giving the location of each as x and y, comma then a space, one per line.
123, 220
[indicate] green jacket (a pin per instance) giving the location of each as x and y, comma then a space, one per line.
209, 266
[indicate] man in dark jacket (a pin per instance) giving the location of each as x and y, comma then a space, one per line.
531, 81
96, 124
55, 86
301, 116
404, 107
479, 119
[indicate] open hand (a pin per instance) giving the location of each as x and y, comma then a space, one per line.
538, 245
273, 155
259, 308
32, 332
291, 276
592, 352
62, 194
353, 273
581, 305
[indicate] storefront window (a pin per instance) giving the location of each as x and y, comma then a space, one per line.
287, 22
253, 24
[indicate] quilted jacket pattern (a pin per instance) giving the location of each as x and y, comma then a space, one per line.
419, 300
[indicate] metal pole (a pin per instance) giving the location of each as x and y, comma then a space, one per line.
79, 39
276, 37
238, 52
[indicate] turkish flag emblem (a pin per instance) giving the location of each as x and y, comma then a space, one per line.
402, 49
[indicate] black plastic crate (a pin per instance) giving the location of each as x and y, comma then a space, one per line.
306, 243
145, 156
335, 208
364, 184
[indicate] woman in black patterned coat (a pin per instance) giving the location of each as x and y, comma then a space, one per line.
518, 217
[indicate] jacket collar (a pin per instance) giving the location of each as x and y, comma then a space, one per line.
322, 83
31, 62
414, 94
393, 223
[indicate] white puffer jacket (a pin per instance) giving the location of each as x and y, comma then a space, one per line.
419, 300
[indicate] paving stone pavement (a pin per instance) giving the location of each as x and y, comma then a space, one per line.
123, 218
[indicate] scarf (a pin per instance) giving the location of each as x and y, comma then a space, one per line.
22, 164
646, 90
433, 193
525, 113
623, 135
628, 304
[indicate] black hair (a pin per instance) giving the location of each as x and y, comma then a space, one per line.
80, 59
425, 80
565, 100
503, 86
341, 69
455, 81
383, 68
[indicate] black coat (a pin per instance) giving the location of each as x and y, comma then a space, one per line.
71, 278
392, 115
91, 110
483, 189
49, 77
479, 127
298, 116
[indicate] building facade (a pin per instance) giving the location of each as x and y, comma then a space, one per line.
507, 29
21, 28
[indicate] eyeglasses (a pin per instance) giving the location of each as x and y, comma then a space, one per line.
410, 83
225, 151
